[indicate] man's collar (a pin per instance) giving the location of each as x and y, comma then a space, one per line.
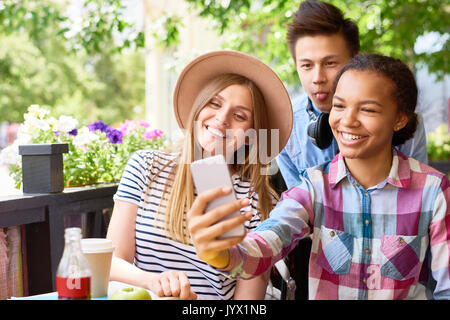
316, 110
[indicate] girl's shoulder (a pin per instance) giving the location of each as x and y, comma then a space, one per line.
152, 153
155, 158
417, 171
424, 175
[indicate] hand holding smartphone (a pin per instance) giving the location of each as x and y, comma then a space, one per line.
210, 173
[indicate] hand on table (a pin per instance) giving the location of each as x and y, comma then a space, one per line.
172, 284
205, 228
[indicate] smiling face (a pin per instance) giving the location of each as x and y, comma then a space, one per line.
318, 60
221, 124
364, 115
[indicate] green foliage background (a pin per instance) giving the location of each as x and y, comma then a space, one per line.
85, 72
85, 75
388, 27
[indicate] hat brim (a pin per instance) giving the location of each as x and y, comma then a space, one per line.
202, 69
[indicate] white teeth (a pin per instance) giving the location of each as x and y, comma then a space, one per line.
216, 132
350, 136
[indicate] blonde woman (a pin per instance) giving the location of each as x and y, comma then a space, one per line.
218, 99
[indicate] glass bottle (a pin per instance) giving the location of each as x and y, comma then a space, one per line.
73, 276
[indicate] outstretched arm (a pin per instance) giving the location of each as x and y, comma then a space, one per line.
273, 239
205, 227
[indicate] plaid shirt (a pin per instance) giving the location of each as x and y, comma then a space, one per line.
367, 244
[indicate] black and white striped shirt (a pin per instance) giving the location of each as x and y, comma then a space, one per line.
155, 251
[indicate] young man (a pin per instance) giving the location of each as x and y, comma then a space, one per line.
321, 42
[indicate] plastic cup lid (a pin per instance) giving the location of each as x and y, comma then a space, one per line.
92, 245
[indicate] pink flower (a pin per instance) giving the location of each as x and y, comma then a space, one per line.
144, 124
127, 126
152, 134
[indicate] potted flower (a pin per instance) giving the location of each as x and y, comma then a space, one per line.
96, 153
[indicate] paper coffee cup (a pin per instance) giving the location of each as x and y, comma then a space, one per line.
98, 252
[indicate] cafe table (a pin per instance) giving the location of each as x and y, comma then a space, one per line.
112, 287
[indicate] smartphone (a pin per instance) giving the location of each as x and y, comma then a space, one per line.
210, 173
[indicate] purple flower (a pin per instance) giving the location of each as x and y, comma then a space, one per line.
97, 125
56, 133
73, 132
114, 135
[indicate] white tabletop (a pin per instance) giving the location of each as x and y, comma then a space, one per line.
112, 287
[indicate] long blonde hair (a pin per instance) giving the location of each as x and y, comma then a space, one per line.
181, 196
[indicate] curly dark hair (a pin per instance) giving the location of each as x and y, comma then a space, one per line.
318, 17
405, 93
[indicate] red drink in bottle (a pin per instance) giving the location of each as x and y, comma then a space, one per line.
73, 277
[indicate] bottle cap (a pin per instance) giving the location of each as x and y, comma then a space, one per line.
94, 245
72, 234
74, 231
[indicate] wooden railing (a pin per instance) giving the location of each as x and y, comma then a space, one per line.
44, 217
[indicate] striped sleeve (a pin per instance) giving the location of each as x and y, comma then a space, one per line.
135, 177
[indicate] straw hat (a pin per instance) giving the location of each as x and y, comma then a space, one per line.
205, 67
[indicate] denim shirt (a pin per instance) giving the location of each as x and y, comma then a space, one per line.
300, 153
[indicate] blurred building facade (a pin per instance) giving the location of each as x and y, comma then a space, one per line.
434, 99
163, 65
